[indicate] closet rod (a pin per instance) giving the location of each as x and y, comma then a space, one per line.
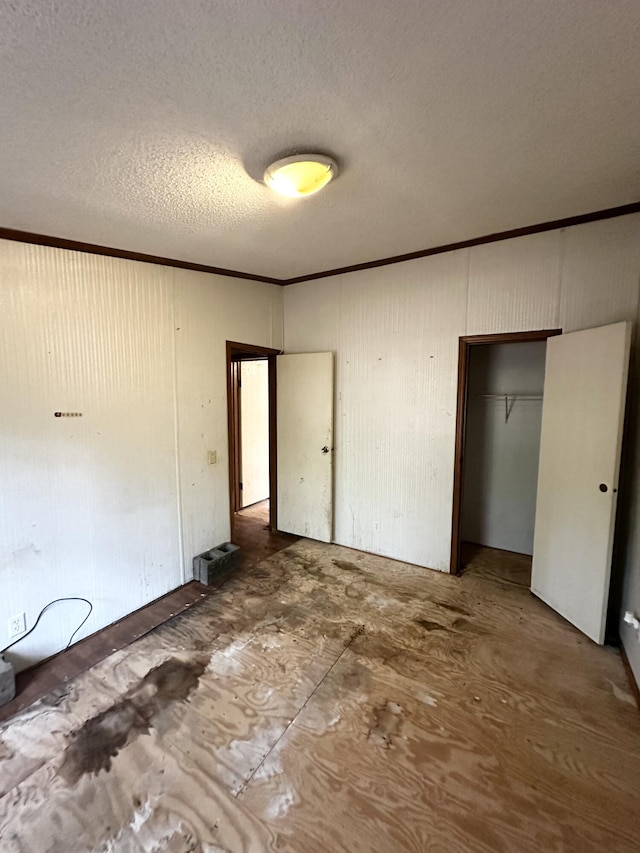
510, 395
509, 400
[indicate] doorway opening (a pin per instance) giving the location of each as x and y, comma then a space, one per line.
500, 388
251, 408
252, 378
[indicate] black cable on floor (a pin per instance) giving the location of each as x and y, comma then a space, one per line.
46, 607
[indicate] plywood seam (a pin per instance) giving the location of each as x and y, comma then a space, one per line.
354, 635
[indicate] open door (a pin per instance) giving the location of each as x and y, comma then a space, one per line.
305, 444
582, 421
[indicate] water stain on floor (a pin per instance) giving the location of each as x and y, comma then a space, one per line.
385, 724
346, 566
429, 625
101, 738
453, 608
417, 710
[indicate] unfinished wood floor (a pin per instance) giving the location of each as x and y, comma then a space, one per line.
326, 700
256, 541
251, 532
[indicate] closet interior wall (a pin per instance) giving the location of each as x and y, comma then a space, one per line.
502, 444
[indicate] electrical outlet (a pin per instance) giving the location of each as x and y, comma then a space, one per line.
17, 625
212, 457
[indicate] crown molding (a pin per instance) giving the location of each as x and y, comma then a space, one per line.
93, 249
552, 225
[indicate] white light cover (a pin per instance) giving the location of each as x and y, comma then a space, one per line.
301, 175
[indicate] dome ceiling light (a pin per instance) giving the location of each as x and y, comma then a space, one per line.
300, 175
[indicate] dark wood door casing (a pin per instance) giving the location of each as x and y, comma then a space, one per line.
464, 350
236, 354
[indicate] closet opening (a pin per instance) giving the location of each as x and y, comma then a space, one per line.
500, 393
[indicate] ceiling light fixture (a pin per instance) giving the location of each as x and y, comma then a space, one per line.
301, 175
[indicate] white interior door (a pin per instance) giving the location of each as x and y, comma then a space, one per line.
582, 419
305, 444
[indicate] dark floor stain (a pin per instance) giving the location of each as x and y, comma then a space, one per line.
317, 615
346, 566
428, 625
350, 680
101, 738
453, 608
319, 602
260, 573
385, 724
404, 660
5, 751
307, 564
55, 697
373, 647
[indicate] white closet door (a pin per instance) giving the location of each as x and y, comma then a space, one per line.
305, 444
582, 419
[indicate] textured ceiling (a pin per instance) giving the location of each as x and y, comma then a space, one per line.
138, 124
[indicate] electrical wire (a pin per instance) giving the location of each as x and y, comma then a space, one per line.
46, 607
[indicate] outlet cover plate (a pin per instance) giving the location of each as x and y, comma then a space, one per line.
17, 625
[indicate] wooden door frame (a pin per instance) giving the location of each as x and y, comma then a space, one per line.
235, 446
236, 354
466, 342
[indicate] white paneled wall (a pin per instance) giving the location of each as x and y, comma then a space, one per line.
514, 285
394, 411
113, 505
395, 333
600, 273
211, 310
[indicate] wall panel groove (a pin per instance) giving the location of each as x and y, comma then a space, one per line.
395, 333
112, 505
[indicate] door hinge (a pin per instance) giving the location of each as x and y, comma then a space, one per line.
241, 486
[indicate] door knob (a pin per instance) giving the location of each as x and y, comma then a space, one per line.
603, 487
325, 449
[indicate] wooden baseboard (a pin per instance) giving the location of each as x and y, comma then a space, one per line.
632, 679
54, 672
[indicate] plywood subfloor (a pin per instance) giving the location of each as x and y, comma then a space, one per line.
496, 564
256, 542
34, 683
327, 700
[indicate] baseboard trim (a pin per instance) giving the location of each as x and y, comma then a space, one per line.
632, 679
55, 671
